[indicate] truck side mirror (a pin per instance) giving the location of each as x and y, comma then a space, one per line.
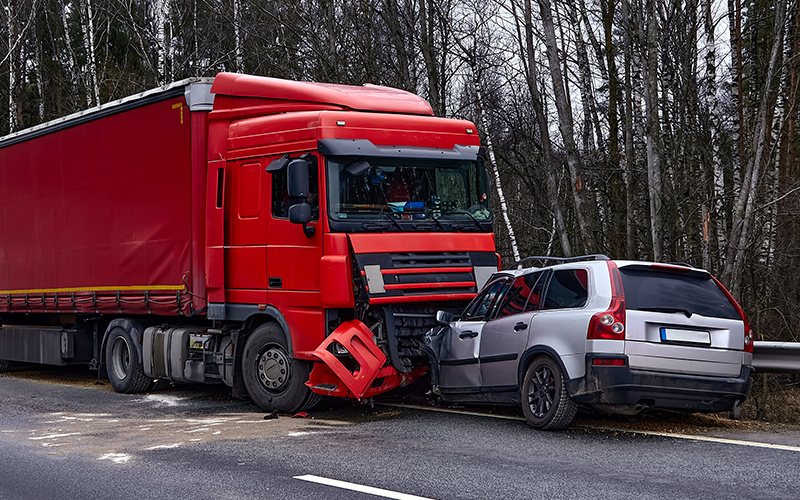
297, 178
300, 213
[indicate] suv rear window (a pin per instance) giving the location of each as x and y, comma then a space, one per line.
647, 290
567, 289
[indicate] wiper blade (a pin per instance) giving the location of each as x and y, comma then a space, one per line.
687, 312
457, 211
394, 221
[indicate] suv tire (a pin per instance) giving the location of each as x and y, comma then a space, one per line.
545, 400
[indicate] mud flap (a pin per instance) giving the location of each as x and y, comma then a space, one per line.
332, 378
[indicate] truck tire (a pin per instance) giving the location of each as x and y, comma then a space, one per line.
273, 379
545, 400
5, 366
124, 363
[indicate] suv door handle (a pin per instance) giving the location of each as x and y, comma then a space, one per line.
467, 334
520, 326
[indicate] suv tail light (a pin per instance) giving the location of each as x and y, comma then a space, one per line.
748, 330
610, 324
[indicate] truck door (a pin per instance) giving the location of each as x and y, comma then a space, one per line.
292, 257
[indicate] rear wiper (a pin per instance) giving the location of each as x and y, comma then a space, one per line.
687, 312
457, 211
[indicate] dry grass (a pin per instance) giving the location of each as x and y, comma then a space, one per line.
774, 398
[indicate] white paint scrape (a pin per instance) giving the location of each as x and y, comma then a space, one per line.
162, 399
54, 436
117, 458
164, 446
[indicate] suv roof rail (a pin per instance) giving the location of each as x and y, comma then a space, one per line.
560, 260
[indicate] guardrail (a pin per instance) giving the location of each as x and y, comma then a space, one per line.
776, 357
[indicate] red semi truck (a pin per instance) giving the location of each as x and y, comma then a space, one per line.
287, 239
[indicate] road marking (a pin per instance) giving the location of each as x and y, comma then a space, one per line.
737, 442
379, 492
710, 439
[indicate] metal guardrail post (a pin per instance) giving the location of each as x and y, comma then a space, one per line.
776, 357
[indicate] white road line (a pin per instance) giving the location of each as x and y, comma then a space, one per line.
737, 442
379, 492
710, 439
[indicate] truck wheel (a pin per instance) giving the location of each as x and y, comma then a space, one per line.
5, 366
545, 400
273, 379
124, 363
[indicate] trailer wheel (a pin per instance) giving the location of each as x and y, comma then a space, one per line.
273, 379
5, 366
124, 363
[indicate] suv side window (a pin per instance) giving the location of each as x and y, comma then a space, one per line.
567, 289
523, 290
535, 281
515, 298
480, 309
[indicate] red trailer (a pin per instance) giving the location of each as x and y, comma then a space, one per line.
288, 239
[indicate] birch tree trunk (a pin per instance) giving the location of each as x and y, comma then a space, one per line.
161, 14
565, 125
630, 159
551, 164
653, 129
743, 215
39, 79
426, 32
487, 139
87, 29
12, 67
237, 34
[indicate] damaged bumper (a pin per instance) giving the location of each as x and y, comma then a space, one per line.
367, 376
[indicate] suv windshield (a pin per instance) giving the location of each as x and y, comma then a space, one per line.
400, 194
671, 292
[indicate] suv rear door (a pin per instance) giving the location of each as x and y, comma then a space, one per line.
679, 320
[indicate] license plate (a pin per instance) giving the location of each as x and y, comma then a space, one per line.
685, 336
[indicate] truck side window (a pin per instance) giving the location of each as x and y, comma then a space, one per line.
567, 289
280, 193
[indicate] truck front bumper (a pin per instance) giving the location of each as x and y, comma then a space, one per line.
618, 387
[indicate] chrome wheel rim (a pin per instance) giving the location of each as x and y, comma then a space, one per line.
273, 368
120, 357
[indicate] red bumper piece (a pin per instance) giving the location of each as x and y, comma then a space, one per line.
334, 379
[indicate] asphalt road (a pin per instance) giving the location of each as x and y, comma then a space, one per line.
81, 440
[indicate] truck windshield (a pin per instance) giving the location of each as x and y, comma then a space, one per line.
401, 194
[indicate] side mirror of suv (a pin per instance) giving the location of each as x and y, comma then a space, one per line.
444, 318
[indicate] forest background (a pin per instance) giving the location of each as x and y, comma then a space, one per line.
643, 129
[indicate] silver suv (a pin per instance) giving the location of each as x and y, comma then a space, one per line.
619, 336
